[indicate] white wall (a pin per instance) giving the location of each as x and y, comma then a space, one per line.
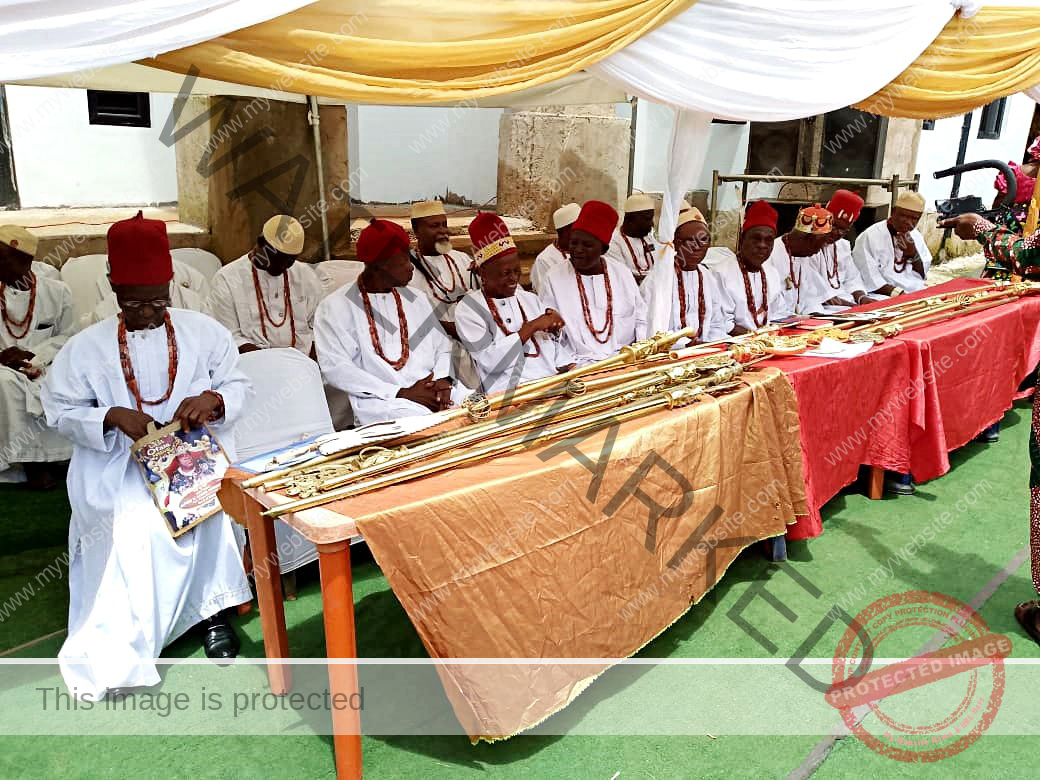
938, 150
62, 160
727, 152
412, 153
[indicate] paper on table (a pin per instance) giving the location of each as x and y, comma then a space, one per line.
832, 348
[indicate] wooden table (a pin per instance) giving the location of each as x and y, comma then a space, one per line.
331, 534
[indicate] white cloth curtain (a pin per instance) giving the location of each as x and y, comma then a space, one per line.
768, 62
48, 37
686, 150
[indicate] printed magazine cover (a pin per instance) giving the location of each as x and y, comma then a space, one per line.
183, 473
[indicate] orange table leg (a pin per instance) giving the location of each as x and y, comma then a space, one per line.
877, 483
337, 599
268, 578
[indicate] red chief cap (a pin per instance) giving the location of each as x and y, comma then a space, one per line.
490, 237
598, 219
380, 240
814, 220
845, 205
139, 252
759, 214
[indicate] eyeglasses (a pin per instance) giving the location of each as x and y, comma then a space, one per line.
158, 303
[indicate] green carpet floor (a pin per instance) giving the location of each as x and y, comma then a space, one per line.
859, 536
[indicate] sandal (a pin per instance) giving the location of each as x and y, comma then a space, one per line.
1025, 614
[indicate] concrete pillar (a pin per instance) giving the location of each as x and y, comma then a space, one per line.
230, 200
551, 155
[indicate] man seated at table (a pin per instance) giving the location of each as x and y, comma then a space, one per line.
133, 588
378, 340
556, 253
266, 298
753, 289
188, 290
511, 335
37, 315
695, 298
834, 262
632, 244
442, 274
892, 256
597, 297
805, 288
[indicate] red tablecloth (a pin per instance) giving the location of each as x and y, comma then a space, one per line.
908, 402
969, 370
851, 412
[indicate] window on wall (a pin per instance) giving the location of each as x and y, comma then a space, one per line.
125, 109
992, 119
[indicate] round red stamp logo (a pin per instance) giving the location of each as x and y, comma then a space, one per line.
932, 705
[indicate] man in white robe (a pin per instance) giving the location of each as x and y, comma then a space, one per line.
834, 262
267, 298
188, 290
37, 321
805, 288
133, 587
892, 255
597, 298
690, 288
556, 253
442, 274
633, 244
512, 337
753, 289
379, 340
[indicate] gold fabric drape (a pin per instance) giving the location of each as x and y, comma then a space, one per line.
973, 62
404, 52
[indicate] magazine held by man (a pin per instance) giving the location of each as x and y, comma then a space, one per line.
183, 471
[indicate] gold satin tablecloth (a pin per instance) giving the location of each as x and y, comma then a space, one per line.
520, 558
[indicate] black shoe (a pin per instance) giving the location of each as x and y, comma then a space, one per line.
899, 487
218, 638
988, 437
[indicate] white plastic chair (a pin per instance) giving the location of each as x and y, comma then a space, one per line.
205, 262
288, 406
81, 274
336, 273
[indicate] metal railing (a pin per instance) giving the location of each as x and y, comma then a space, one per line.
892, 184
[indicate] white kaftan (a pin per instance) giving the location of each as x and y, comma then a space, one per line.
41, 268
875, 255
232, 302
811, 290
548, 259
843, 282
451, 279
24, 435
503, 361
349, 361
718, 318
561, 293
133, 588
735, 299
635, 254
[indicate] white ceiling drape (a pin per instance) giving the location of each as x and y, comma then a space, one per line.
41, 38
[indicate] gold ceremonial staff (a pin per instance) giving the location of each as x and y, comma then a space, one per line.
630, 408
478, 408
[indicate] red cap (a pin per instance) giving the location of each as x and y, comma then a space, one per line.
490, 237
139, 252
845, 205
759, 214
380, 240
597, 219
